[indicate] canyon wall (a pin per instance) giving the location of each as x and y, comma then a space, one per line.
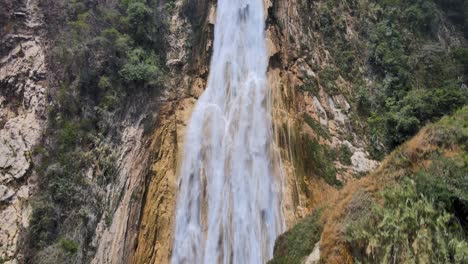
319, 68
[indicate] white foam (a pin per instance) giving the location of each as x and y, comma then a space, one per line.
229, 200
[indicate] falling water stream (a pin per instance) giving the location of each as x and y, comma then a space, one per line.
229, 204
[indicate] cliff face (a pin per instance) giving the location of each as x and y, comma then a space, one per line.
302, 191
140, 149
157, 218
324, 54
90, 149
310, 120
29, 80
23, 115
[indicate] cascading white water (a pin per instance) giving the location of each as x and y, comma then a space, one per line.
229, 204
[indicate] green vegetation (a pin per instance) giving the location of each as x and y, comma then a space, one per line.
141, 68
461, 55
420, 80
446, 183
413, 209
416, 78
43, 224
328, 77
297, 243
321, 132
408, 228
416, 108
424, 215
345, 154
318, 160
311, 86
69, 246
456, 11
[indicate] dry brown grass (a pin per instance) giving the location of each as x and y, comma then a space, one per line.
409, 158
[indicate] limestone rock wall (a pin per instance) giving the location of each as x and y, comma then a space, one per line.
188, 80
297, 52
23, 116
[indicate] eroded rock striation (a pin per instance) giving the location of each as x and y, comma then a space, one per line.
23, 116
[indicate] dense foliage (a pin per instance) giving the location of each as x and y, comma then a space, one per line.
421, 79
403, 74
408, 228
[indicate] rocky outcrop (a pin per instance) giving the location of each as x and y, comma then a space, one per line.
23, 117
115, 234
297, 53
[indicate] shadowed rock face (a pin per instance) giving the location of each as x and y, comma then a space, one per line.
22, 115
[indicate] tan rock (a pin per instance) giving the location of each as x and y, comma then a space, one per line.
314, 257
23, 113
5, 193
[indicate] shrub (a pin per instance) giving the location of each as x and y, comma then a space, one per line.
421, 16
345, 154
446, 183
68, 135
69, 246
81, 26
316, 126
328, 77
310, 85
294, 245
138, 13
461, 55
456, 10
42, 225
407, 228
138, 17
104, 83
110, 101
419, 107
141, 67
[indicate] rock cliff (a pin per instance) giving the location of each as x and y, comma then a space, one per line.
95, 97
23, 116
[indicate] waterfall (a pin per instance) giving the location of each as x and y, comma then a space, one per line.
229, 200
